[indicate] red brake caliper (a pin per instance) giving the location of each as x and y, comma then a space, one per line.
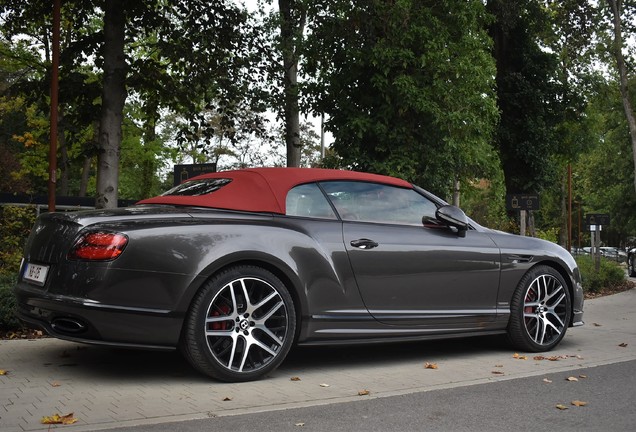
529, 298
222, 325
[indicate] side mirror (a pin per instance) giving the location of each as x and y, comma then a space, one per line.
454, 217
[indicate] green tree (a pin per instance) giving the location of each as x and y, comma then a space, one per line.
407, 86
527, 94
605, 173
622, 14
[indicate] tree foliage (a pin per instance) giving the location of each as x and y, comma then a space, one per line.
407, 87
497, 96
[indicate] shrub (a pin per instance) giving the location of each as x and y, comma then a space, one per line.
609, 275
15, 225
8, 321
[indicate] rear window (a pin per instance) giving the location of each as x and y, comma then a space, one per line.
198, 187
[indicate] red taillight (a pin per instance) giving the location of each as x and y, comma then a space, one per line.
99, 246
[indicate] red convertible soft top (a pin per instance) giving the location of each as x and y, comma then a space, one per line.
264, 189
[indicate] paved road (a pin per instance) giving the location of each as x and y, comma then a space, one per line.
523, 404
107, 388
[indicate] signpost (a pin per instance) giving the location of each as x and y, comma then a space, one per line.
184, 172
522, 202
596, 221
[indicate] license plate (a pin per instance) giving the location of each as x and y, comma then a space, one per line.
35, 273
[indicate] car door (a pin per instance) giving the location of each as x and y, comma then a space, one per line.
410, 273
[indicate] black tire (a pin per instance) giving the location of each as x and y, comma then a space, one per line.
630, 265
240, 325
541, 310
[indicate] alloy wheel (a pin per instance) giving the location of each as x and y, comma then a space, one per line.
246, 325
545, 309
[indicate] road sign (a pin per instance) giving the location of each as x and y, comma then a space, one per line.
597, 219
184, 172
522, 201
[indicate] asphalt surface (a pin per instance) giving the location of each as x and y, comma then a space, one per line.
603, 398
479, 384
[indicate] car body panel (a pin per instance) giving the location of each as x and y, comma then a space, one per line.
425, 276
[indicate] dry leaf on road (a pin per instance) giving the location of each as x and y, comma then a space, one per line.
294, 378
572, 378
227, 399
519, 357
496, 372
300, 424
67, 419
428, 365
3, 372
364, 393
622, 345
579, 403
324, 385
546, 380
561, 407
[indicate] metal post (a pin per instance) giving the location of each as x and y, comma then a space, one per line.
522, 223
54, 102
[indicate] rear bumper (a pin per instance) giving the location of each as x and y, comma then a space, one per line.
84, 321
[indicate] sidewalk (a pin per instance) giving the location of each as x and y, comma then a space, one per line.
106, 388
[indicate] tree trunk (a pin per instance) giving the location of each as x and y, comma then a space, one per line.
565, 215
113, 98
148, 164
292, 16
616, 7
88, 158
64, 162
86, 167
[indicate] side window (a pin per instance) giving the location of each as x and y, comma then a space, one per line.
372, 202
307, 200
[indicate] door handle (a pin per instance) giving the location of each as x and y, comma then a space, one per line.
364, 243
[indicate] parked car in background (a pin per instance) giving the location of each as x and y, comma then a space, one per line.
235, 267
631, 255
613, 253
576, 251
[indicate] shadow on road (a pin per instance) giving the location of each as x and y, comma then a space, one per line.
137, 366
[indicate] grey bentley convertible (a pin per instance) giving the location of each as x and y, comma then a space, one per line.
236, 267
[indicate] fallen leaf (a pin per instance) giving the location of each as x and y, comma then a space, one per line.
519, 357
561, 407
55, 384
546, 380
428, 365
3, 372
596, 325
364, 393
583, 376
227, 399
324, 385
579, 403
497, 372
622, 345
295, 378
300, 424
498, 365
572, 378
67, 419
539, 357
